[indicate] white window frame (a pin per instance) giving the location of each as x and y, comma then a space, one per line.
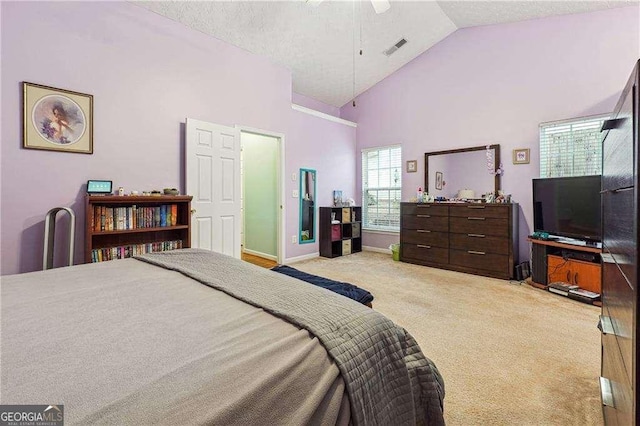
366, 226
571, 147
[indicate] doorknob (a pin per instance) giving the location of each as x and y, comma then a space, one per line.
193, 211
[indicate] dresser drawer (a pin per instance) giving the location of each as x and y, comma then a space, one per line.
479, 225
618, 301
480, 210
424, 253
619, 408
415, 236
426, 208
619, 215
618, 151
480, 260
426, 222
480, 242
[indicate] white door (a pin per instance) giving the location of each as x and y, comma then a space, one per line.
213, 179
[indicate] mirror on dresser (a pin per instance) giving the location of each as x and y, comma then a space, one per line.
307, 206
462, 173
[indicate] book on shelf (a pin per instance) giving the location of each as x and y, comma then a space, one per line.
126, 251
134, 217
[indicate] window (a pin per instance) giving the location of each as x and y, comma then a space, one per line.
571, 147
381, 188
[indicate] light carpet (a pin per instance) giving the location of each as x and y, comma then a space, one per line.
510, 354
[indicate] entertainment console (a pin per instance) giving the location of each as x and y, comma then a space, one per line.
571, 262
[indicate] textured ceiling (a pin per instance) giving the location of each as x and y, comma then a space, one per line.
319, 44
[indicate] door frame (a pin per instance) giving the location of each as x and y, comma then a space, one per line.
280, 168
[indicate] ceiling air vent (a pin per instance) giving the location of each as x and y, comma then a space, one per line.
395, 47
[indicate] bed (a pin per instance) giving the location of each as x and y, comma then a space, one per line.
194, 337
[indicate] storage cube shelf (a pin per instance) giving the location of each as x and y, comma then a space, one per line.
343, 237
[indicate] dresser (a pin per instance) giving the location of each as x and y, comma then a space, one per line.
476, 238
619, 318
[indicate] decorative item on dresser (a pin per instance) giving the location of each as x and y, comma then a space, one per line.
340, 231
619, 318
476, 238
118, 227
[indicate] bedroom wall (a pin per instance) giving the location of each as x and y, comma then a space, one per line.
146, 73
495, 84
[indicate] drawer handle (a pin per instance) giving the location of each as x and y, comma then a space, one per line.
423, 230
481, 253
423, 246
424, 215
606, 392
424, 206
476, 218
605, 325
475, 207
615, 191
476, 235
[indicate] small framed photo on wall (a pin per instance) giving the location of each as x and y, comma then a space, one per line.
412, 166
57, 119
521, 156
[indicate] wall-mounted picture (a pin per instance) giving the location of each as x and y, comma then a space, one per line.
438, 180
412, 166
57, 119
521, 156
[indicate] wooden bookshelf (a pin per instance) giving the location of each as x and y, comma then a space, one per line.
123, 226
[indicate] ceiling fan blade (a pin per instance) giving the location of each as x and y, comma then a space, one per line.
380, 6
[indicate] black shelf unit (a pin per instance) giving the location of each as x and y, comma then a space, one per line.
343, 237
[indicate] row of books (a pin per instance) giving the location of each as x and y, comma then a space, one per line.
574, 292
134, 217
123, 252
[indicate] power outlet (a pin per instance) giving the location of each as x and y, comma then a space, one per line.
294, 176
295, 193
294, 239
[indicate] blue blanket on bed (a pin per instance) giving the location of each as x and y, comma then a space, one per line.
349, 290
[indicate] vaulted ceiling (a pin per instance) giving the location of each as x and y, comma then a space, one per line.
320, 43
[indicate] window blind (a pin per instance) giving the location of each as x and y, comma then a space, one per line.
571, 147
381, 188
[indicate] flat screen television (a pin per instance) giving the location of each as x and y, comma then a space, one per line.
568, 207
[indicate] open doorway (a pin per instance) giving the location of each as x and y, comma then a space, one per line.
262, 161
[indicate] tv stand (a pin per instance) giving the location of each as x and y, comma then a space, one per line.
570, 261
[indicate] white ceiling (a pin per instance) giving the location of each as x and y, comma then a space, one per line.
319, 44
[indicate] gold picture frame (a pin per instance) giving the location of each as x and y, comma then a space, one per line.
521, 156
56, 119
412, 166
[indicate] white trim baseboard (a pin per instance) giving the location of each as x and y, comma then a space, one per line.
301, 258
257, 253
323, 115
376, 249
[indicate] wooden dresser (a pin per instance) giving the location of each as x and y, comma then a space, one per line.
477, 238
619, 319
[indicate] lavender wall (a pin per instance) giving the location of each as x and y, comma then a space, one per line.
329, 148
495, 84
146, 74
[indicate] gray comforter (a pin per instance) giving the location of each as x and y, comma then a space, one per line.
388, 379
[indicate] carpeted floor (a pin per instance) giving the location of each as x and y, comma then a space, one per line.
510, 354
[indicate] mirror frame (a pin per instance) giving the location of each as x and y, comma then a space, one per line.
496, 162
315, 207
